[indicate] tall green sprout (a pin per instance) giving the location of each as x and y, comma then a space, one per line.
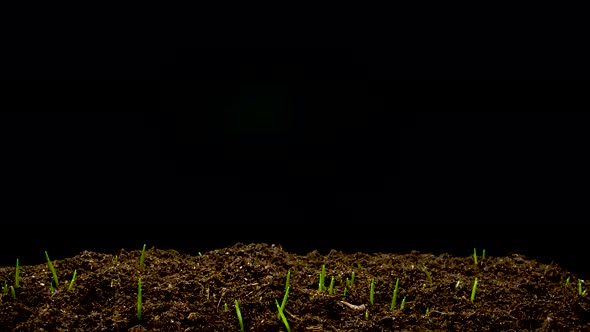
331, 287
475, 256
394, 298
322, 285
141, 257
372, 291
239, 315
473, 290
282, 316
72, 282
139, 299
52, 269
17, 275
282, 307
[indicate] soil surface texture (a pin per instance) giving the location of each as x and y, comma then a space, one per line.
181, 292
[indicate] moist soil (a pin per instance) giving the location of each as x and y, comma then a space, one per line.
182, 292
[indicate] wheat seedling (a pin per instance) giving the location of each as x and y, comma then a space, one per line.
52, 269
394, 298
331, 287
322, 286
239, 315
72, 282
17, 275
473, 290
372, 291
139, 299
141, 257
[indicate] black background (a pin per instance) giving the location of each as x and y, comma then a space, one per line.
298, 155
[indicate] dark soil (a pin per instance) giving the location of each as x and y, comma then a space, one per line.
189, 293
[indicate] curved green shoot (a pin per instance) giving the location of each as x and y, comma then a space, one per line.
141, 257
17, 275
239, 315
367, 314
372, 292
13, 292
286, 294
282, 316
580, 291
52, 269
394, 298
401, 307
73, 278
282, 307
139, 299
473, 290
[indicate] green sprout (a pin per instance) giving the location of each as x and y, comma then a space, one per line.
141, 257
394, 298
51, 288
321, 286
17, 275
367, 314
352, 277
475, 256
13, 292
331, 287
372, 291
52, 269
225, 308
282, 307
72, 282
401, 307
345, 290
282, 316
473, 290
239, 315
139, 300
428, 275
483, 255
567, 281
5, 287
580, 291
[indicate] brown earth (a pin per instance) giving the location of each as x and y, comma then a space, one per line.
181, 292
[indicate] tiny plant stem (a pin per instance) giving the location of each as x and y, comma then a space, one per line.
142, 257
17, 275
345, 291
321, 286
580, 287
473, 290
394, 298
475, 256
331, 287
352, 278
139, 299
5, 287
483, 255
72, 282
372, 291
401, 307
239, 315
13, 292
225, 308
367, 314
52, 269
